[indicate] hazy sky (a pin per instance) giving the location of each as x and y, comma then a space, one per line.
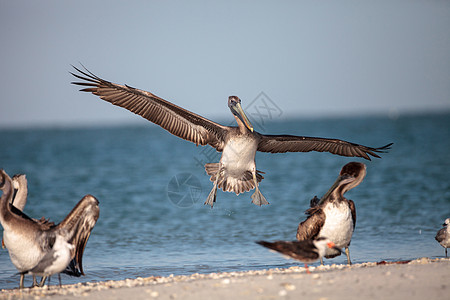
312, 58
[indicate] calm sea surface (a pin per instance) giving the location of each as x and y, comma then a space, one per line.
152, 185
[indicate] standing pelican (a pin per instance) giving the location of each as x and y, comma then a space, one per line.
306, 251
333, 216
443, 235
27, 242
236, 171
18, 202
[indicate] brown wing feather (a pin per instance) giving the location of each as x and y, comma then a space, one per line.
178, 121
310, 228
351, 204
291, 143
78, 226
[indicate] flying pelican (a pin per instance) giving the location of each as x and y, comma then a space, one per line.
333, 216
55, 260
443, 235
306, 251
28, 242
236, 171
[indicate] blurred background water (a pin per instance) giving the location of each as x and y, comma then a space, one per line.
152, 185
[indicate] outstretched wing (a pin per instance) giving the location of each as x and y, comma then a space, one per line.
78, 226
292, 143
178, 121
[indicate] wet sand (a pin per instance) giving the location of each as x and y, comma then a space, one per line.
418, 279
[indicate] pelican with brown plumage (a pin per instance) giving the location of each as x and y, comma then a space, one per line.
28, 241
334, 216
18, 202
236, 171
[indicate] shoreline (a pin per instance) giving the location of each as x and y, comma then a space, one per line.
416, 279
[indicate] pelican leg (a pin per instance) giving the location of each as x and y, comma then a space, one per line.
321, 261
212, 195
347, 252
257, 197
59, 277
41, 284
34, 281
22, 276
445, 252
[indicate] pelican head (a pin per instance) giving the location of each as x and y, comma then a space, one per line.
350, 176
234, 103
18, 179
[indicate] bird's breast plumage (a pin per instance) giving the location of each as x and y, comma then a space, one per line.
238, 154
338, 226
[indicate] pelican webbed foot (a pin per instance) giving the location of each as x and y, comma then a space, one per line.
211, 170
258, 198
212, 196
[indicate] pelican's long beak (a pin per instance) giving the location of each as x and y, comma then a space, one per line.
239, 112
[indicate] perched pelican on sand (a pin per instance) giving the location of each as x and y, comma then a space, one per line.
306, 251
236, 171
333, 216
443, 235
28, 242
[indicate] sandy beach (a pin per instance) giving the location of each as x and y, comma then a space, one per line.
418, 279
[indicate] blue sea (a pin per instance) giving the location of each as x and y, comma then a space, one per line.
152, 186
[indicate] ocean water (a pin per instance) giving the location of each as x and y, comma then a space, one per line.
152, 185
